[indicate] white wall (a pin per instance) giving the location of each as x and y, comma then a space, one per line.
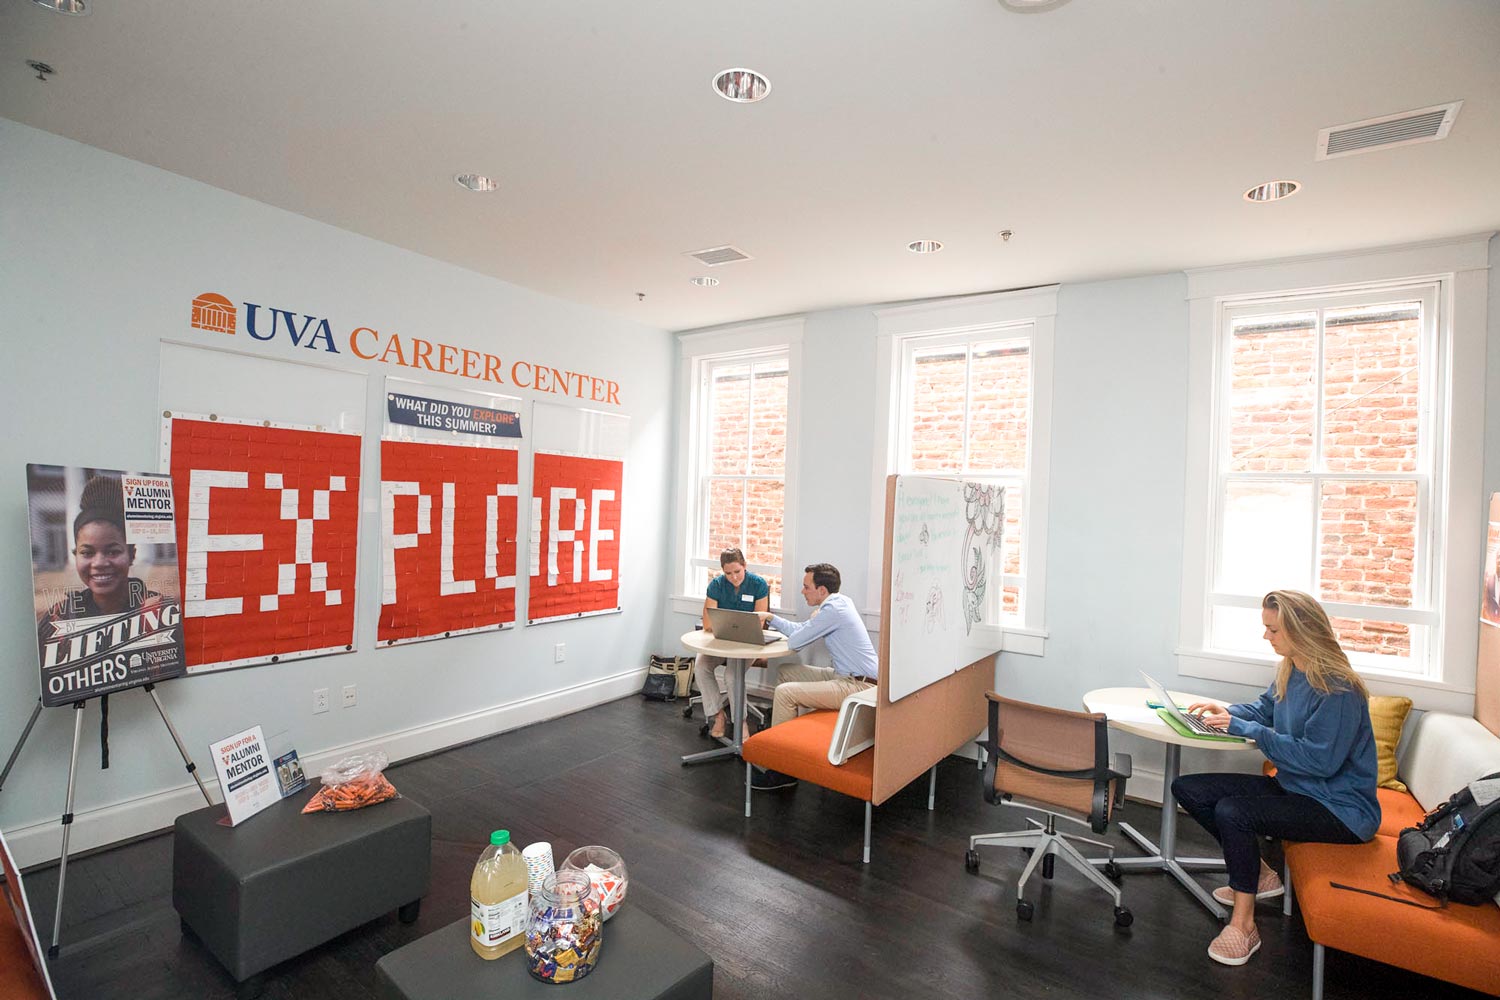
1119, 411
102, 259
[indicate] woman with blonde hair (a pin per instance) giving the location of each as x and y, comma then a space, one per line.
1313, 723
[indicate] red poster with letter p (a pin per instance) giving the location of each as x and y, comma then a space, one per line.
575, 536
449, 519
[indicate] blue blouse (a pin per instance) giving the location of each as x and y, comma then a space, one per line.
1322, 746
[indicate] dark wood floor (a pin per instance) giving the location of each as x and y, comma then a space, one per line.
780, 901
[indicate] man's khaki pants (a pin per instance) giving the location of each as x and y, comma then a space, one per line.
804, 687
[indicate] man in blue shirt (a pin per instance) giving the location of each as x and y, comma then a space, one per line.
836, 621
736, 589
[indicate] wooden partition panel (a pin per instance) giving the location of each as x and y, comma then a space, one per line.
1487, 670
914, 733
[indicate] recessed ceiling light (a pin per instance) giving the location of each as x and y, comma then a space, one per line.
477, 182
742, 86
704, 281
1273, 191
924, 246
64, 6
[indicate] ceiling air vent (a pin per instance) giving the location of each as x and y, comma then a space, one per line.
1388, 131
714, 256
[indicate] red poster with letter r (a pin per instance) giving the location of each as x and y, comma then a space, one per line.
575, 536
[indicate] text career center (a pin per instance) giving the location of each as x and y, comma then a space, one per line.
216, 314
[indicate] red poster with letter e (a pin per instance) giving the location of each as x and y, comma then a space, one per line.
267, 538
575, 536
448, 524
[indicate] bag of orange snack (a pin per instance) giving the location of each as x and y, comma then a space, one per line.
353, 783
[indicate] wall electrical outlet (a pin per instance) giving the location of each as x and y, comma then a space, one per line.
559, 652
350, 697
320, 701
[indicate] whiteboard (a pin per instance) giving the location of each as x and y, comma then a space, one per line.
944, 559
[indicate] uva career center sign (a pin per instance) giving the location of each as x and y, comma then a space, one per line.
216, 314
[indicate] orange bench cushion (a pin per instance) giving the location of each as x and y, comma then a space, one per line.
799, 747
1398, 810
1457, 944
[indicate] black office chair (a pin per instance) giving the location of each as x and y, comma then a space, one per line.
1055, 762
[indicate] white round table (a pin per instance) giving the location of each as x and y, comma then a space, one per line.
739, 655
1126, 710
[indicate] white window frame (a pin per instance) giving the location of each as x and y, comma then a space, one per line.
1453, 388
961, 320
700, 352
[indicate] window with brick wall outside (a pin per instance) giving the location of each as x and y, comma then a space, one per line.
965, 410
1326, 451
741, 424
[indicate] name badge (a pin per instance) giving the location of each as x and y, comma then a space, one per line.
748, 597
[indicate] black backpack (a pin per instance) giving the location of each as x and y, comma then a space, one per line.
1454, 854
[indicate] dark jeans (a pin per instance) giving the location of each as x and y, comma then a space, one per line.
1238, 809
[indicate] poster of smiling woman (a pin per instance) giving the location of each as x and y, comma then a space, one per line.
104, 569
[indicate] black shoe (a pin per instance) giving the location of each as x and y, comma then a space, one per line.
767, 780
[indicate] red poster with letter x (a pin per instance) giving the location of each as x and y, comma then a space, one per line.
267, 535
575, 536
449, 516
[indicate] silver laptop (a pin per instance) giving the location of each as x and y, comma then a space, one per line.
1193, 722
740, 626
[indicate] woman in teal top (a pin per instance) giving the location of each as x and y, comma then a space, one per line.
1313, 723
736, 590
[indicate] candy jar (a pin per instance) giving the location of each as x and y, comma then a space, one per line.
606, 869
565, 929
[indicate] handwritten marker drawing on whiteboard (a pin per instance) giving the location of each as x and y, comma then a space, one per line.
984, 508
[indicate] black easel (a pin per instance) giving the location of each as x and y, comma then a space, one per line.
67, 817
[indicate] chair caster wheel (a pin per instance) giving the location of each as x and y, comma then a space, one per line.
1025, 909
1123, 917
1047, 866
1027, 851
687, 713
971, 861
1112, 871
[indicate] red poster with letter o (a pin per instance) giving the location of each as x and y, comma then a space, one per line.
575, 536
267, 535
449, 516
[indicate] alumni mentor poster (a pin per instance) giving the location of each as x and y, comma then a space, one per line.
104, 569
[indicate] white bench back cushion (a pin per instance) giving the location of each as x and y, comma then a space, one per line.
1445, 753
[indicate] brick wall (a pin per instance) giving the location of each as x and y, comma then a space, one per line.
746, 513
1367, 527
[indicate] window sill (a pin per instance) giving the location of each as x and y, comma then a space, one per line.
1258, 672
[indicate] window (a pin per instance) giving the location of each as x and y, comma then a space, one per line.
1326, 463
966, 410
739, 432
1330, 463
968, 380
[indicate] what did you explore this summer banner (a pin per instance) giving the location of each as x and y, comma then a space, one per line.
104, 569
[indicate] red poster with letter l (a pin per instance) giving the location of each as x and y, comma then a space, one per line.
449, 520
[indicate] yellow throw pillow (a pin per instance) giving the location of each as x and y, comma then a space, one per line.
1387, 716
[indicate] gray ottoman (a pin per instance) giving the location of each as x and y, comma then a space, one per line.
281, 883
640, 960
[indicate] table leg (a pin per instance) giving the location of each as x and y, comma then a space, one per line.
1164, 858
731, 748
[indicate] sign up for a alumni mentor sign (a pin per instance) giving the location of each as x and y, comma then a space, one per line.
104, 568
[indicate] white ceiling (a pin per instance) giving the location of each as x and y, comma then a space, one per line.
1113, 136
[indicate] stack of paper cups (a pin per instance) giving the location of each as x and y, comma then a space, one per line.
538, 858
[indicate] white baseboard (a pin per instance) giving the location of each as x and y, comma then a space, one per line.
110, 824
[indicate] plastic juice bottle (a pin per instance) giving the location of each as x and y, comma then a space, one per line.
497, 895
